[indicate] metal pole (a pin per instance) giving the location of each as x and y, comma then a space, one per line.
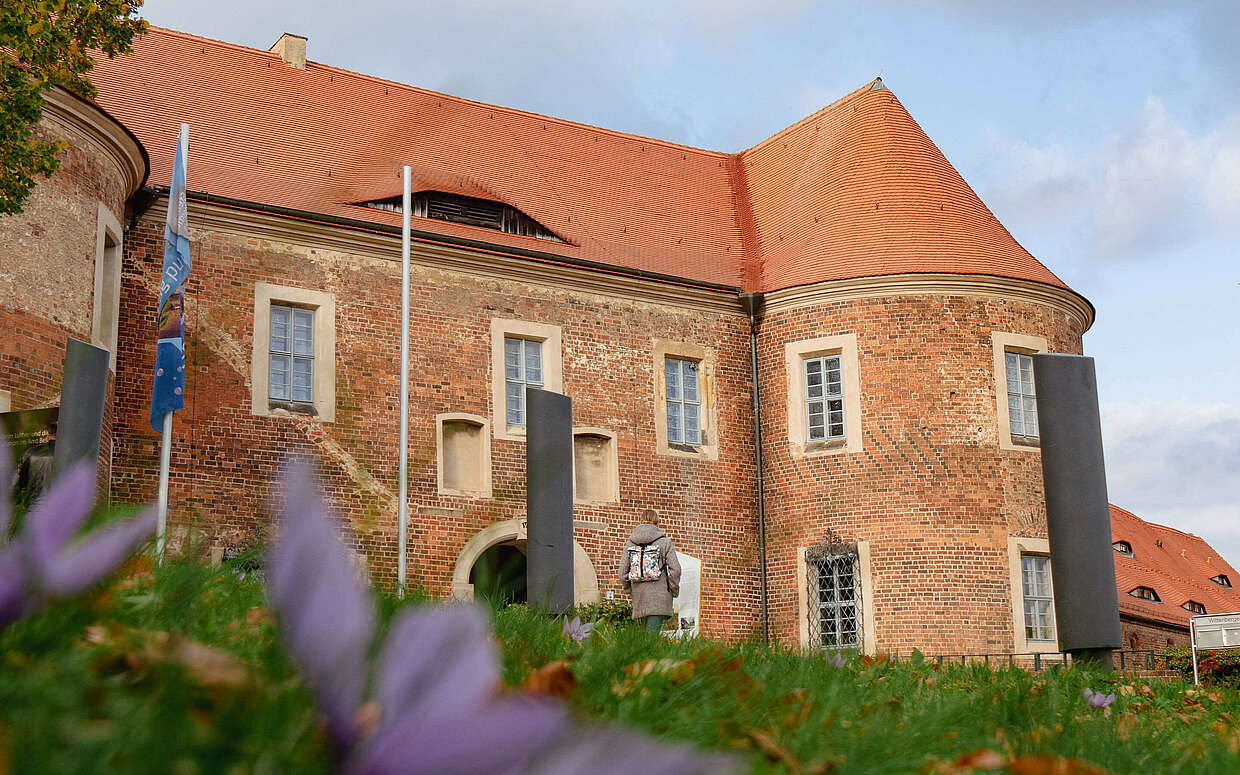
1192, 639
402, 509
165, 439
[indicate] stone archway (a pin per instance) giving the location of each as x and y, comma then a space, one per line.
585, 580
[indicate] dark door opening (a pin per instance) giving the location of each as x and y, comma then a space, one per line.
498, 575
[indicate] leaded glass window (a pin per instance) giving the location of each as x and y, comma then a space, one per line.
834, 595
522, 368
824, 399
1035, 571
682, 380
1022, 401
291, 352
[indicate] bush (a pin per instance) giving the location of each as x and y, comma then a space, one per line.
1220, 668
613, 611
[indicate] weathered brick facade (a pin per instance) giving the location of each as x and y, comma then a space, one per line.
224, 456
48, 253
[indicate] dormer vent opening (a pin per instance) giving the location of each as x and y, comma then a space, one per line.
467, 210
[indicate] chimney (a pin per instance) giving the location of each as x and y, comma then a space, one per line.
292, 49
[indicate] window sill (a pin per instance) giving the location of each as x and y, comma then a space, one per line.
276, 408
819, 448
1029, 442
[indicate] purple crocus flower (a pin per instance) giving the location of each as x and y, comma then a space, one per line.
577, 631
1098, 699
40, 563
836, 661
437, 675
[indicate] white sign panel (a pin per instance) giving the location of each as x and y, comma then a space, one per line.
686, 604
1216, 631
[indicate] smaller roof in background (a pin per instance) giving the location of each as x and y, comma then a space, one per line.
1176, 565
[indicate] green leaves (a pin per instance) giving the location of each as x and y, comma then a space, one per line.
45, 44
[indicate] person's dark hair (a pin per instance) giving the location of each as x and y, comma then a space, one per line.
650, 516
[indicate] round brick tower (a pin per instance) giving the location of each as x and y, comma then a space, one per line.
60, 257
899, 500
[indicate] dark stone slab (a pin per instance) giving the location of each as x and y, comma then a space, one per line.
82, 393
549, 500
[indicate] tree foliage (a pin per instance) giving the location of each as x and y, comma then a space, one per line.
44, 44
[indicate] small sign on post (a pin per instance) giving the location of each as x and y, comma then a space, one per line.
1213, 631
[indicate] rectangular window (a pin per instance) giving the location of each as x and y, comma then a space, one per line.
522, 367
291, 352
1035, 571
684, 401
834, 600
824, 399
1022, 402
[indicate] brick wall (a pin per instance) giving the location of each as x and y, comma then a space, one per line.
47, 266
931, 491
1144, 634
223, 456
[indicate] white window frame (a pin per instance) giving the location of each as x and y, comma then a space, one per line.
707, 447
323, 390
795, 355
552, 368
1002, 343
106, 305
524, 349
295, 316
1031, 565
827, 365
1018, 548
679, 399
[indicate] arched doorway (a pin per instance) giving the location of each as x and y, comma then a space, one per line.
498, 575
512, 533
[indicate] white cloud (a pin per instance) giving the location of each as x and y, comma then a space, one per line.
1177, 463
1152, 186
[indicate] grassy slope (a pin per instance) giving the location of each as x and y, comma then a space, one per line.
134, 702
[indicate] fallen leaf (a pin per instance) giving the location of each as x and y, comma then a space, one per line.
258, 615
982, 759
1052, 765
553, 679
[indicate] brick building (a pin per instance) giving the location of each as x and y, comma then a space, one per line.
890, 317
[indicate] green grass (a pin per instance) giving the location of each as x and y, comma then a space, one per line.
86, 686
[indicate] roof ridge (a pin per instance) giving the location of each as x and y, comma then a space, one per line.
466, 100
864, 89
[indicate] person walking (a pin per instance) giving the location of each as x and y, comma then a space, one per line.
650, 572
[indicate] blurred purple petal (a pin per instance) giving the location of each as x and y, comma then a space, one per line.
436, 663
96, 556
57, 515
1098, 699
603, 751
326, 616
499, 739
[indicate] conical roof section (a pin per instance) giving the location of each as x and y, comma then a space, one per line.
858, 190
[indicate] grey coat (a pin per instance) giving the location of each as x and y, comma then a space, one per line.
652, 598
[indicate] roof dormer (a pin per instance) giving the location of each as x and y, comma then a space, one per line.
468, 211
1122, 547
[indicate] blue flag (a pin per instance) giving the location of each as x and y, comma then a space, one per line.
168, 387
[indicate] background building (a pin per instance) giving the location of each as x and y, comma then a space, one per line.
892, 318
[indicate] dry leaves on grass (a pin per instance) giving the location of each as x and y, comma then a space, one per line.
766, 743
553, 679
987, 760
138, 650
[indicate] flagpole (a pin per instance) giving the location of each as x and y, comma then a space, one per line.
165, 443
402, 510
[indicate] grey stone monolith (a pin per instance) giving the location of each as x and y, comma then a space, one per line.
83, 390
1078, 518
549, 500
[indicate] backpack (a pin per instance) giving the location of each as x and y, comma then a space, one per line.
645, 563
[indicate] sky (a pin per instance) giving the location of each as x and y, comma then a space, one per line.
1104, 135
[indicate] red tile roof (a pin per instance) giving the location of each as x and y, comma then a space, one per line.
1176, 565
854, 190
